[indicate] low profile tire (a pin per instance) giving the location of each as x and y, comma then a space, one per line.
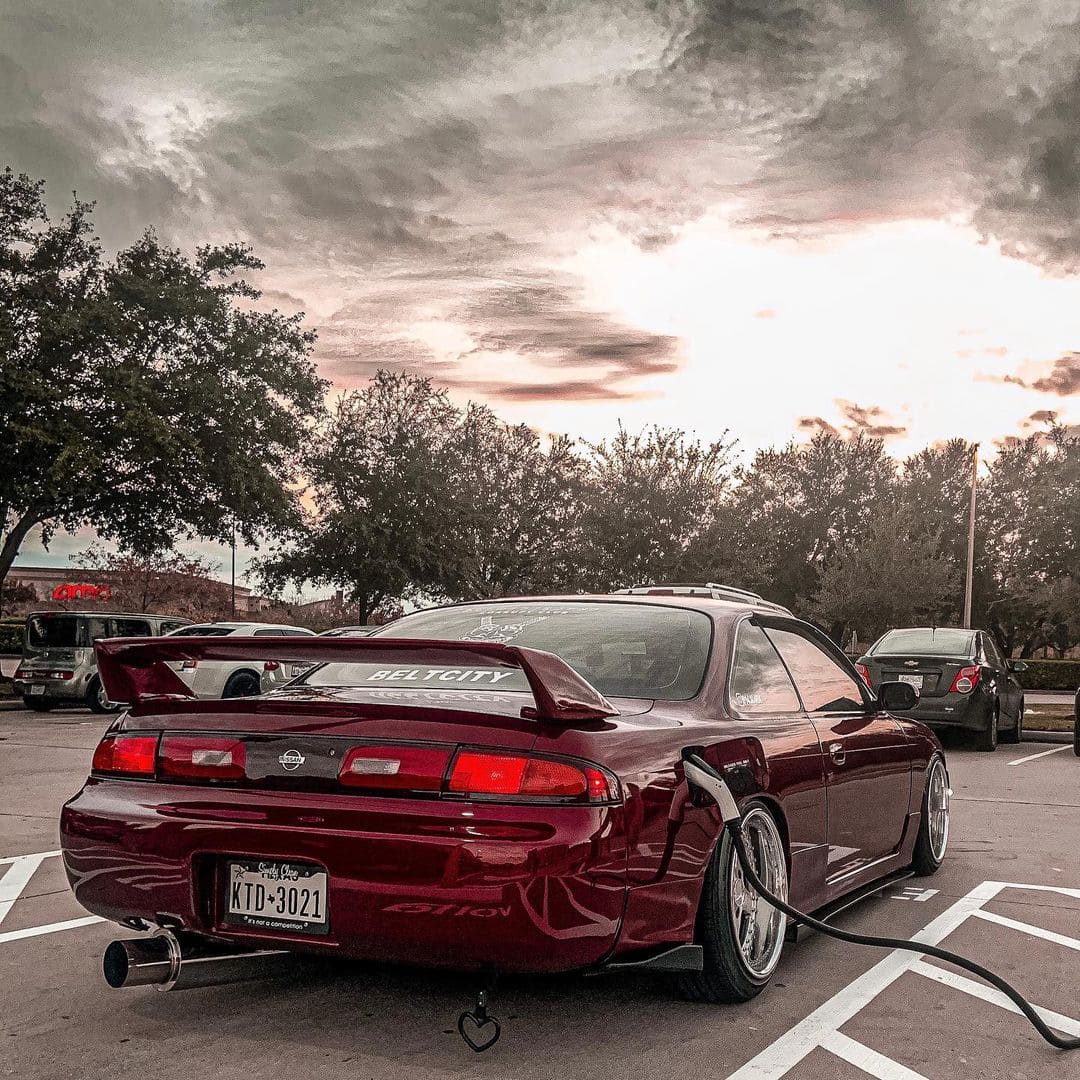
933, 838
1015, 733
987, 739
241, 684
96, 699
741, 934
36, 703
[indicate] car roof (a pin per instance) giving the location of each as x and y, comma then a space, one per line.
112, 615
708, 605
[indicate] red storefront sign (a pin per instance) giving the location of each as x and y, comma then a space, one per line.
81, 592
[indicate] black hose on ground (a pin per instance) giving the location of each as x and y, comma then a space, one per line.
734, 826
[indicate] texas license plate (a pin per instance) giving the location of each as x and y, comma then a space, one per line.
296, 670
912, 680
265, 895
37, 690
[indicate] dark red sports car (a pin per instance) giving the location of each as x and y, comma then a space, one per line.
499, 785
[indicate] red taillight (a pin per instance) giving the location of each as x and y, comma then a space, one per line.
270, 665
202, 757
967, 678
864, 674
126, 755
395, 768
189, 665
478, 773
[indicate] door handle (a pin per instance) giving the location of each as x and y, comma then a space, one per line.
837, 752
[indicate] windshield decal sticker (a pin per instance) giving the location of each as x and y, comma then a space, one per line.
489, 630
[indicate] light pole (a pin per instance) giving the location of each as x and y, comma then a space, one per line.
971, 538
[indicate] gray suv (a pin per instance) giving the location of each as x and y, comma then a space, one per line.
58, 665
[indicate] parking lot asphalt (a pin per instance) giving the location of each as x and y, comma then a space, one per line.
1008, 895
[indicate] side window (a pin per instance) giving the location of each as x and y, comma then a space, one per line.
296, 633
993, 654
95, 629
759, 684
270, 633
131, 628
169, 627
823, 684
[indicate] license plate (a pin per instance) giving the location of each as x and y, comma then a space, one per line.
912, 680
37, 690
265, 895
296, 670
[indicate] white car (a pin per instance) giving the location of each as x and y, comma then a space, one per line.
228, 678
277, 674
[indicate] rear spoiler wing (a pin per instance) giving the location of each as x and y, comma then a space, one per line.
135, 670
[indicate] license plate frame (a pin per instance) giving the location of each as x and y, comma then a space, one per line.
37, 689
293, 892
912, 680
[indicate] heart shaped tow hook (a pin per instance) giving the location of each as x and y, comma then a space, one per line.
479, 1030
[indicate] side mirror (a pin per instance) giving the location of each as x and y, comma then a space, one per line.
1016, 665
898, 696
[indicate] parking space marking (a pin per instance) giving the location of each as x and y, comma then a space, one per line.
1028, 928
20, 869
1041, 753
822, 1027
1065, 1024
913, 892
50, 928
869, 1061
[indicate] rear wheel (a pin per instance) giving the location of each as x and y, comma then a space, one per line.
987, 739
37, 704
933, 838
1015, 734
241, 684
742, 934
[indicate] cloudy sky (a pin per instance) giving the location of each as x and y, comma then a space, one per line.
762, 215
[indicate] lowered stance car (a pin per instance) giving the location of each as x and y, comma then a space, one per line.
962, 678
499, 786
239, 678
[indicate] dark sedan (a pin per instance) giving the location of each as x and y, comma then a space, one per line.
963, 679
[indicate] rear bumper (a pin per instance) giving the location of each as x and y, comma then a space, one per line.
971, 712
73, 689
469, 885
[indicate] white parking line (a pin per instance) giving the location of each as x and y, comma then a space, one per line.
1041, 753
20, 869
821, 1029
1027, 928
50, 928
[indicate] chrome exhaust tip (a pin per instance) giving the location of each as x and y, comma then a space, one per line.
180, 961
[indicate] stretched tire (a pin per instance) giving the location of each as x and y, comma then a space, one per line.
36, 703
987, 740
933, 838
742, 935
1016, 733
241, 684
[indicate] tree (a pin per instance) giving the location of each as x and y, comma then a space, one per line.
893, 574
143, 397
518, 506
167, 583
380, 515
649, 506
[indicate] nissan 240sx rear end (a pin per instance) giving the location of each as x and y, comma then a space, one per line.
395, 810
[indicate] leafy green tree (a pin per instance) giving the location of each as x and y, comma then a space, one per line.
380, 514
893, 573
144, 396
649, 507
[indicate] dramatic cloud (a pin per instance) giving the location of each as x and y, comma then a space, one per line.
1060, 377
855, 419
420, 176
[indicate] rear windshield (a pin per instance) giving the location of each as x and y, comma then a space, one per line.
624, 650
58, 632
203, 631
925, 643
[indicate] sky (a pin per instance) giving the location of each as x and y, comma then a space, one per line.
765, 217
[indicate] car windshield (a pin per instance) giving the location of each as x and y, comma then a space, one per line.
56, 632
925, 642
624, 650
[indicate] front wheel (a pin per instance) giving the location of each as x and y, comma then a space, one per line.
241, 684
741, 933
933, 838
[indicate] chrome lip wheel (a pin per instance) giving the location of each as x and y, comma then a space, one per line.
758, 926
938, 794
